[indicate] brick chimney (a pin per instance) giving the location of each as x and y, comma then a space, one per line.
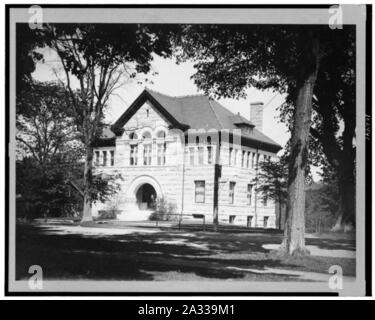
256, 114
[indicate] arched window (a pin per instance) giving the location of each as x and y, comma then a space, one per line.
133, 136
197, 140
161, 147
146, 135
160, 134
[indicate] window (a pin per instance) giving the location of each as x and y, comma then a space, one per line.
146, 135
160, 134
231, 219
162, 147
265, 199
230, 156
265, 222
97, 158
231, 192
133, 136
234, 157
147, 113
112, 157
243, 159
209, 154
133, 155
192, 155
249, 221
200, 189
258, 156
200, 155
209, 150
147, 152
252, 159
249, 193
104, 158
248, 160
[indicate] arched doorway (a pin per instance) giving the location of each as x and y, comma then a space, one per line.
138, 204
145, 197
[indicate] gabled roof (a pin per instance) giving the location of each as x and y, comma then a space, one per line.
196, 112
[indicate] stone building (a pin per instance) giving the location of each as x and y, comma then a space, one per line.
193, 153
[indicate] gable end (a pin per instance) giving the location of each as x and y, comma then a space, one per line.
117, 127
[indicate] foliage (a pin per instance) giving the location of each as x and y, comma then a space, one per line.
27, 42
271, 180
321, 206
47, 190
50, 152
107, 215
104, 186
164, 210
231, 58
44, 190
45, 127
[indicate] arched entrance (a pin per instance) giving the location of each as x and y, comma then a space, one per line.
146, 196
140, 198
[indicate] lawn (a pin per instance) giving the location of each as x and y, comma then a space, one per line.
120, 251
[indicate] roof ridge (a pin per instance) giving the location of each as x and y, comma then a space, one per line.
157, 92
192, 95
177, 97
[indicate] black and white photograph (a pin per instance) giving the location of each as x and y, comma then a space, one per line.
188, 149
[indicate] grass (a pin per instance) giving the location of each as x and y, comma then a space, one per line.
165, 254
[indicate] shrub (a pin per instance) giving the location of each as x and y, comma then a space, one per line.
107, 214
164, 211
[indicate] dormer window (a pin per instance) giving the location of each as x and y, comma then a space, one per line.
245, 128
245, 125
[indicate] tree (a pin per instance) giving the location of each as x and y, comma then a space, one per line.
271, 183
46, 130
50, 152
48, 148
95, 59
332, 134
27, 41
321, 205
231, 58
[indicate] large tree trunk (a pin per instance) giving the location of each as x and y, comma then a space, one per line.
294, 233
87, 182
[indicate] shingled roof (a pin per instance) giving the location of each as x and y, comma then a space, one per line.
197, 112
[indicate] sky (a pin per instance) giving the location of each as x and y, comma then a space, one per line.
175, 80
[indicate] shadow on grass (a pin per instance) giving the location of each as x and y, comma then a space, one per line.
137, 255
